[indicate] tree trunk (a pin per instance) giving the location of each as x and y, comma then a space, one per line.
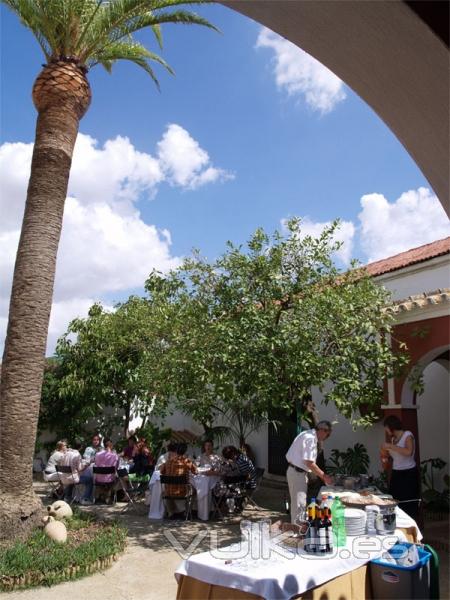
32, 291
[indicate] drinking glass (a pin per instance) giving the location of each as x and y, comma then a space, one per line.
231, 505
265, 525
245, 526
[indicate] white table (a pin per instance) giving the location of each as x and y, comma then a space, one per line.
403, 520
203, 485
285, 573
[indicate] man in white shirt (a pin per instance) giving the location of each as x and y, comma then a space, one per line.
301, 458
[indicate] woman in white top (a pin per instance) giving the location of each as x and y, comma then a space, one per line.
404, 483
208, 458
50, 473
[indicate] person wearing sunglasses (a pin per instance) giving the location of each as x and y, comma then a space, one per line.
301, 458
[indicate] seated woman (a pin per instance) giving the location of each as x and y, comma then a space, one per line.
50, 473
106, 458
130, 449
209, 458
143, 460
239, 463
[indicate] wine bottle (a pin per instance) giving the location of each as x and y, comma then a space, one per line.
310, 545
321, 531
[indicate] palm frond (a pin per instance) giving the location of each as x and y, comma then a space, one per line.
122, 18
101, 32
132, 51
30, 16
158, 34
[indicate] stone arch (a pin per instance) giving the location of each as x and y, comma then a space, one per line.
408, 395
394, 55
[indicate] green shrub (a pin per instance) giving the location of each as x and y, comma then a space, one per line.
41, 561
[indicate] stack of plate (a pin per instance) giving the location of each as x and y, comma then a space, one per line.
355, 521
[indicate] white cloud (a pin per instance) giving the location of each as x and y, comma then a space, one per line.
103, 251
387, 228
184, 162
15, 160
413, 219
116, 173
344, 234
105, 247
299, 74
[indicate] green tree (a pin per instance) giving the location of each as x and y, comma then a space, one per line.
74, 36
261, 325
101, 372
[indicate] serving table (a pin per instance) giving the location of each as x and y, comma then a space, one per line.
203, 485
285, 573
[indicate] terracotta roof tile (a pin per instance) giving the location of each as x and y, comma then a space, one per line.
410, 257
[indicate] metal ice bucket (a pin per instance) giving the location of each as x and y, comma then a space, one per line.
386, 521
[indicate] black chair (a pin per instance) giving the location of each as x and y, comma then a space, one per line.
132, 491
67, 470
167, 494
232, 486
109, 486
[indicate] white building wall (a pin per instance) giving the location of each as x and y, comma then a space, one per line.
433, 415
257, 440
344, 436
423, 277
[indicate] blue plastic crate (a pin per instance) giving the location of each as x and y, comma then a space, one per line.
398, 550
402, 583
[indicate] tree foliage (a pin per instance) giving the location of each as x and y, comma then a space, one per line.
261, 325
232, 341
101, 371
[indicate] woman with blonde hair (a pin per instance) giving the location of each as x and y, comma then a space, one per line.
50, 473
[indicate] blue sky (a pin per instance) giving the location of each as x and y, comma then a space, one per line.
249, 131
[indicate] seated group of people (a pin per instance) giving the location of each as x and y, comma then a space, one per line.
140, 461
98, 454
232, 462
174, 462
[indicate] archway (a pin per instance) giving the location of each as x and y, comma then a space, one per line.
433, 413
394, 55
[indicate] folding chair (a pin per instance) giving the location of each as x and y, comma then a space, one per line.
67, 470
109, 485
131, 491
53, 487
234, 488
167, 480
250, 493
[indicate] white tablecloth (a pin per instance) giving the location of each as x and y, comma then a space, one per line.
285, 573
203, 485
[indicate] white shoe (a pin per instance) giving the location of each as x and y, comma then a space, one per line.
85, 502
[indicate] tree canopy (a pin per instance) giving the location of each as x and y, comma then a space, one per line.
101, 371
231, 341
262, 324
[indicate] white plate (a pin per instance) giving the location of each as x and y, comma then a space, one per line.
354, 513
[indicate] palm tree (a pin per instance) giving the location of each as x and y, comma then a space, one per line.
74, 35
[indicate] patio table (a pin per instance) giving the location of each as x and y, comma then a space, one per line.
203, 485
344, 574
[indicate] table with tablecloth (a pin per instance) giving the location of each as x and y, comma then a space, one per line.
344, 574
203, 485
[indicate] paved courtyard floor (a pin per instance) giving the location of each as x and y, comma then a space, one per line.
146, 570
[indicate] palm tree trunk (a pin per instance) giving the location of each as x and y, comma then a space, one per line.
29, 313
